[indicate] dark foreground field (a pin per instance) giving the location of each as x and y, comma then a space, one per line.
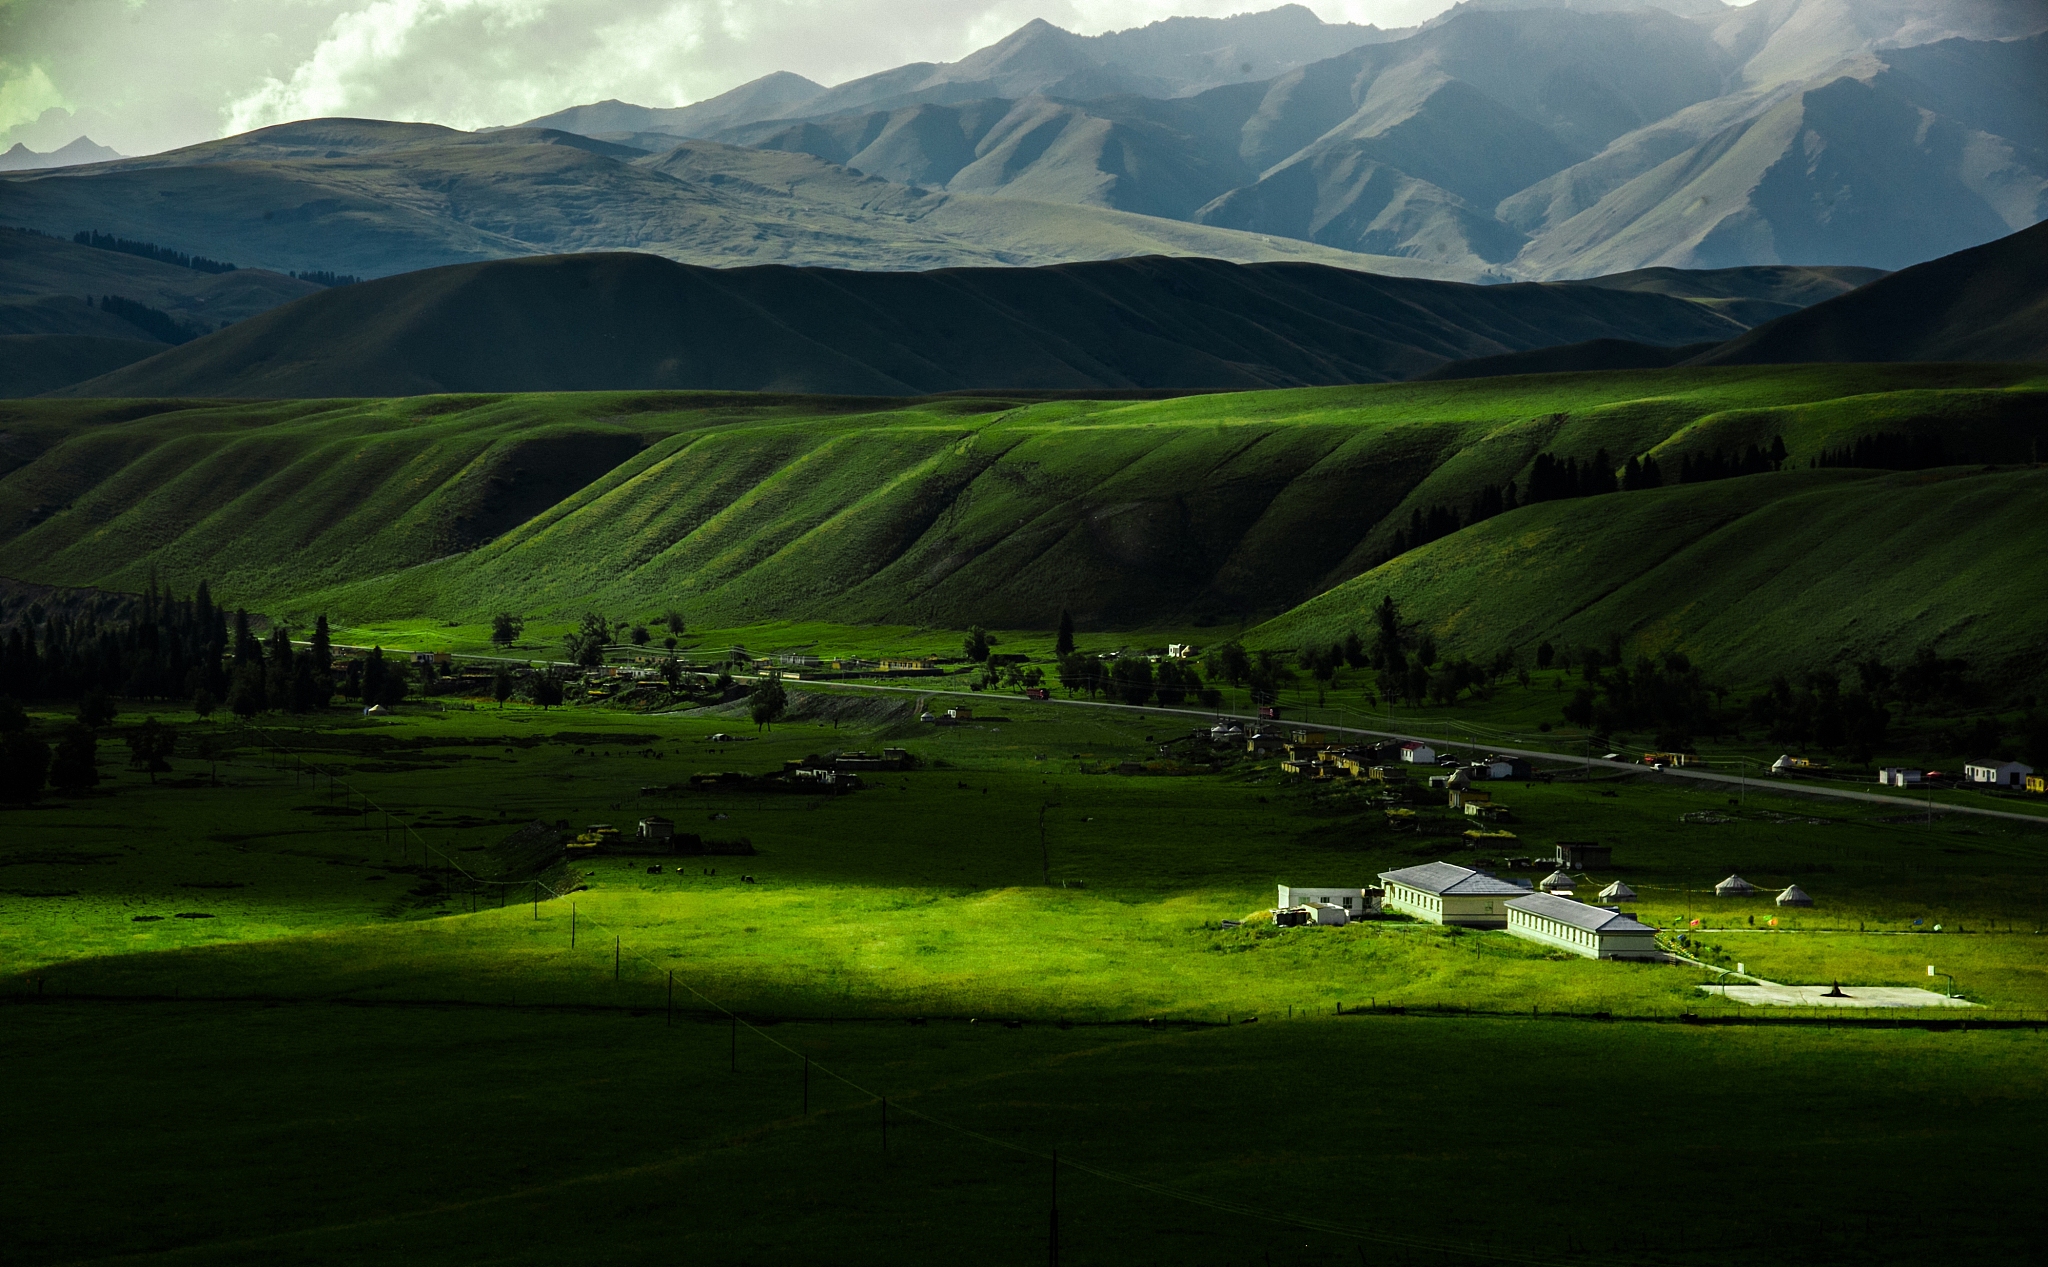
363, 1057
327, 1133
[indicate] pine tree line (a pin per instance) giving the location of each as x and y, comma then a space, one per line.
154, 320
1891, 451
185, 649
150, 251
1721, 466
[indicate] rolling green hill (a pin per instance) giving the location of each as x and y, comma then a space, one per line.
1757, 575
598, 321
1217, 510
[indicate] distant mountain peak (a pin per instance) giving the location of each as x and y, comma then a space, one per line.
79, 151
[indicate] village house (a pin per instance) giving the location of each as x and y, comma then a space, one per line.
1415, 753
1898, 776
656, 830
1446, 893
1356, 903
1998, 773
1584, 855
1597, 932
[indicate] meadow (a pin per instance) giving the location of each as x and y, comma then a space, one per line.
291, 997
358, 1055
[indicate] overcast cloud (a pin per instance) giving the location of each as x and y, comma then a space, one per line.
147, 75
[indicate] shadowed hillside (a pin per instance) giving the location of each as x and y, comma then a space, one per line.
1985, 304
592, 322
1215, 509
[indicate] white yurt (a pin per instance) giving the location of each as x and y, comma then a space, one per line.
1735, 886
1617, 892
1794, 896
1557, 882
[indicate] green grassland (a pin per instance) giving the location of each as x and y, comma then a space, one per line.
1210, 511
358, 1056
931, 891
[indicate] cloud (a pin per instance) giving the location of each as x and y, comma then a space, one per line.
26, 95
171, 72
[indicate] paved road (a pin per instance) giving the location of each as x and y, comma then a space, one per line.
1628, 767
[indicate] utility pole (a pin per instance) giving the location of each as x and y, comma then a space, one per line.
1053, 1240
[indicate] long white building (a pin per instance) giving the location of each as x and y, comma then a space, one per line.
1446, 893
1592, 931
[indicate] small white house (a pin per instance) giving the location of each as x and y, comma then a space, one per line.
656, 829
1328, 913
1735, 886
1592, 931
2000, 773
1898, 776
1446, 893
1418, 753
1357, 903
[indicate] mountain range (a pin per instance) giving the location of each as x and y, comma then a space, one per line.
613, 321
602, 321
1504, 140
20, 158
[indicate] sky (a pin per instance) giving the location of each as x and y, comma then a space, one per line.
149, 75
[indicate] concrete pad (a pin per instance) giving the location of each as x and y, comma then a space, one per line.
1816, 996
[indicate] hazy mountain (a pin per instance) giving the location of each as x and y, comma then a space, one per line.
1171, 58
765, 98
1989, 303
1536, 139
1887, 166
372, 198
81, 150
597, 321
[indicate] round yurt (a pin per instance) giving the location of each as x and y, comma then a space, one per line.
1557, 882
1794, 896
1617, 892
1735, 886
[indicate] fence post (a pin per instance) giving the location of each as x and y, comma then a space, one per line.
572, 926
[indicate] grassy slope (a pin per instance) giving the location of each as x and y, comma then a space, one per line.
1750, 575
747, 509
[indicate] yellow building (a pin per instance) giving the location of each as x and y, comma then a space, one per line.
1446, 893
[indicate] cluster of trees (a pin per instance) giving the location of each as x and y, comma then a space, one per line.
1892, 451
155, 321
322, 277
1668, 697
1441, 521
585, 645
1720, 466
1552, 479
1816, 710
71, 764
169, 648
1135, 679
151, 251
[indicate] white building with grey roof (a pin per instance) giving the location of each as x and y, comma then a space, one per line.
1593, 931
1446, 893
